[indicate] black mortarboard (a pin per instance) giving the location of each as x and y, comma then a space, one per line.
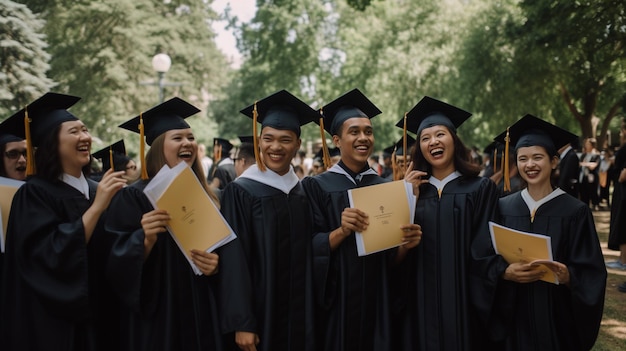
533, 131
8, 130
399, 146
45, 114
282, 110
332, 152
166, 116
349, 105
431, 112
115, 153
488, 150
246, 138
225, 144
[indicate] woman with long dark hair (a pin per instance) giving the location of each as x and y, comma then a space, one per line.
446, 303
53, 274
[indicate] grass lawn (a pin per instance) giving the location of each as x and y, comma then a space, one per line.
612, 335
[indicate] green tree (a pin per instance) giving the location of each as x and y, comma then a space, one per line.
102, 51
552, 59
23, 57
280, 47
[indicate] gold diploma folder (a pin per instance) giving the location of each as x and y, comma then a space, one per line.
518, 246
388, 206
195, 221
8, 188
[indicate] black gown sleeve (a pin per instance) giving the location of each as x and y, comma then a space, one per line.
235, 286
50, 250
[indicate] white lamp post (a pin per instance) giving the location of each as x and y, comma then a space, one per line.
161, 64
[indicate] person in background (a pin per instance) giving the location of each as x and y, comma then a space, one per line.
170, 306
589, 167
13, 151
55, 295
515, 182
569, 170
541, 315
353, 292
116, 152
399, 158
244, 157
448, 295
617, 229
223, 170
205, 160
266, 284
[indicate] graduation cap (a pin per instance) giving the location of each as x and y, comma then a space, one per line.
37, 119
246, 139
332, 152
8, 131
281, 110
533, 131
353, 104
350, 105
430, 112
398, 149
110, 154
168, 115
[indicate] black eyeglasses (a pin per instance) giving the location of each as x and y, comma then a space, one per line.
15, 154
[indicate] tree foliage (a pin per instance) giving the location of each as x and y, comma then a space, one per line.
23, 57
102, 51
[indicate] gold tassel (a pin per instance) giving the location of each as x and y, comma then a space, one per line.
142, 149
30, 159
255, 139
325, 152
404, 145
505, 166
111, 158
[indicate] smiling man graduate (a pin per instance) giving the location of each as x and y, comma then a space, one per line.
265, 279
353, 291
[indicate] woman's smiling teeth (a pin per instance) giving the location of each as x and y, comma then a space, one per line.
185, 154
436, 152
84, 148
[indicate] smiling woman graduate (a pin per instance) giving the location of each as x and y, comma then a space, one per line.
448, 271
174, 309
54, 233
545, 316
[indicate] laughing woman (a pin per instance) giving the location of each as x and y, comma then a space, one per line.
173, 308
54, 234
547, 316
446, 298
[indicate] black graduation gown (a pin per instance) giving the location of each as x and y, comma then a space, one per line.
569, 170
224, 171
55, 296
453, 272
546, 316
352, 291
173, 308
265, 274
617, 235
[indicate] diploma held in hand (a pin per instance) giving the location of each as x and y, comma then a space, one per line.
196, 222
517, 246
388, 207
